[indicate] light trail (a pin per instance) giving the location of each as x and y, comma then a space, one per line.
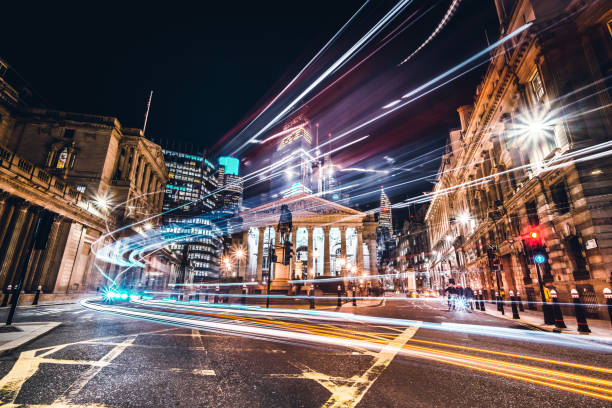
351, 52
245, 323
299, 74
567, 340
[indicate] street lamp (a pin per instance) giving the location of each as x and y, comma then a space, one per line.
239, 254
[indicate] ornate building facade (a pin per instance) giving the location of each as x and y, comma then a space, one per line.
329, 240
528, 158
66, 180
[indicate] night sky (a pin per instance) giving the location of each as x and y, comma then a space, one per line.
211, 68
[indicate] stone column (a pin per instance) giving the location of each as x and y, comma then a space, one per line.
145, 182
133, 169
6, 212
42, 269
359, 252
9, 261
125, 170
326, 257
311, 270
372, 250
343, 270
260, 247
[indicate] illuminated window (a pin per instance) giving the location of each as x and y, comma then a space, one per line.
62, 158
81, 189
537, 86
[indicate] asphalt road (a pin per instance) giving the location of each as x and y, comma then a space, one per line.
100, 359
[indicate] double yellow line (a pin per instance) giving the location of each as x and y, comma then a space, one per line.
561, 380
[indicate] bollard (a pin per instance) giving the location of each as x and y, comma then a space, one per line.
339, 293
244, 293
500, 307
206, 297
583, 327
354, 298
14, 294
482, 302
216, 299
7, 294
559, 323
311, 297
515, 313
608, 296
197, 296
37, 295
477, 299
520, 302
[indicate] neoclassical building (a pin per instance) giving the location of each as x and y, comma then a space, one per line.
329, 240
66, 180
531, 156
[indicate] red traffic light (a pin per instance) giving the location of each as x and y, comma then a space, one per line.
533, 235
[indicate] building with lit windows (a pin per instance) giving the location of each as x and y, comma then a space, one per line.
75, 176
230, 183
295, 175
523, 161
190, 204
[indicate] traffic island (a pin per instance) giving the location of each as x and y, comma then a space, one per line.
20, 334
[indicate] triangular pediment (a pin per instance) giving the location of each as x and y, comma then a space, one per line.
302, 206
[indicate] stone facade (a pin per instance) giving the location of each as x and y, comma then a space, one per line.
328, 239
412, 253
67, 179
525, 159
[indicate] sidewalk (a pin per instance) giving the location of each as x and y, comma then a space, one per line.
64, 301
23, 334
600, 328
46, 303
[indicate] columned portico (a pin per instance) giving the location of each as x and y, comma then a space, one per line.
312, 216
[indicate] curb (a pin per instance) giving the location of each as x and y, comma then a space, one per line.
22, 306
530, 325
22, 341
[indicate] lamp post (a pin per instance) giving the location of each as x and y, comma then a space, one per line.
315, 255
239, 254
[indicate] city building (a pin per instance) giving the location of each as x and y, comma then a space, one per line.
294, 151
412, 253
523, 163
190, 203
230, 183
385, 233
68, 179
328, 240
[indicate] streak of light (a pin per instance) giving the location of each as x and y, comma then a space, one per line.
337, 64
347, 337
447, 16
365, 170
299, 74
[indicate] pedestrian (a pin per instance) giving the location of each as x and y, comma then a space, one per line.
469, 297
452, 293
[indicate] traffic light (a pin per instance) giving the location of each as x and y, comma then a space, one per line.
534, 245
287, 252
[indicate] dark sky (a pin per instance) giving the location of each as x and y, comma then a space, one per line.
214, 65
207, 65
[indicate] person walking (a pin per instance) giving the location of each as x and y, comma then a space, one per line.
469, 297
451, 291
